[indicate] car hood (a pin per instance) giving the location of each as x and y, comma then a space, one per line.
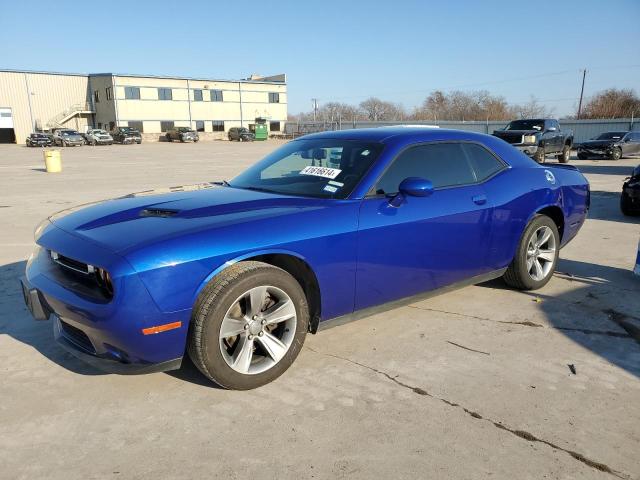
515, 132
598, 143
138, 220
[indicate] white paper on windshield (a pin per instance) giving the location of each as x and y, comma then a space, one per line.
325, 172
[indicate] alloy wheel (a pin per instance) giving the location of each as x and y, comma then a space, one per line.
541, 253
258, 330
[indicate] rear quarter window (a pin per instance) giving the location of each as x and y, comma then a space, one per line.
484, 163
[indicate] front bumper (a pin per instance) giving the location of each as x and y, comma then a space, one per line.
527, 149
106, 334
595, 152
73, 143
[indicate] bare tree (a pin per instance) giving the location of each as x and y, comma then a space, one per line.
612, 103
375, 110
531, 109
457, 105
336, 111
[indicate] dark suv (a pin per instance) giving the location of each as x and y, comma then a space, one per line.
39, 140
184, 134
126, 135
241, 134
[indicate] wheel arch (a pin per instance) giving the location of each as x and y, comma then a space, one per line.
292, 263
555, 213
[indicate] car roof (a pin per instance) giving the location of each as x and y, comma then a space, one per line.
386, 134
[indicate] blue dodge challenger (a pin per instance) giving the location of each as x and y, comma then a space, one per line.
327, 228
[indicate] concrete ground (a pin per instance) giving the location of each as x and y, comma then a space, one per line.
471, 384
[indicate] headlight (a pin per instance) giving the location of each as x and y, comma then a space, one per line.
529, 139
104, 280
40, 228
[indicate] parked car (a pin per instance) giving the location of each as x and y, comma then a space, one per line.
184, 134
237, 274
630, 197
241, 134
97, 136
538, 138
126, 135
38, 139
613, 145
65, 137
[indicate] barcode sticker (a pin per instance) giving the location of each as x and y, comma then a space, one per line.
325, 172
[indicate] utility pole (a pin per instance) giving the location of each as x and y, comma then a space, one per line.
584, 74
314, 102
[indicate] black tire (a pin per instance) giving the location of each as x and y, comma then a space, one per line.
625, 206
168, 137
517, 275
181, 139
211, 307
566, 153
94, 143
139, 142
540, 155
195, 140
616, 154
582, 156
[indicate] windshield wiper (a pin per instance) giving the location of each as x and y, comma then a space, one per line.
223, 182
258, 189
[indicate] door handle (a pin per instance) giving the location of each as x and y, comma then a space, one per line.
479, 199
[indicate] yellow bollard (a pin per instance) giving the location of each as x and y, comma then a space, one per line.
52, 161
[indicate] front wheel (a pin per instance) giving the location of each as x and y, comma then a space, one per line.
625, 205
248, 325
536, 256
539, 155
616, 154
564, 156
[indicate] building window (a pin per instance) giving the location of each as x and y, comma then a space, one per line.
96, 96
274, 97
99, 125
216, 95
197, 95
274, 126
166, 126
109, 92
135, 124
165, 94
218, 125
199, 125
132, 93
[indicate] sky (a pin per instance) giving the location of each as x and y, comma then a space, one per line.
345, 51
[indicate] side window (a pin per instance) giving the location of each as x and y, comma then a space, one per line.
445, 164
635, 137
482, 161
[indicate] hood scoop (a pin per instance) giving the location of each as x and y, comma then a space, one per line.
158, 212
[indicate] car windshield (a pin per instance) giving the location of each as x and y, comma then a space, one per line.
99, 132
183, 129
323, 168
610, 136
128, 130
69, 132
526, 125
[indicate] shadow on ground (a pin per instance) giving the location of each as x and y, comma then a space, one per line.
622, 170
606, 206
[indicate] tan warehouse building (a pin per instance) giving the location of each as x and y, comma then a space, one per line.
43, 101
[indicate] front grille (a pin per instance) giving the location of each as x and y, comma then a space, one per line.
77, 336
71, 264
511, 137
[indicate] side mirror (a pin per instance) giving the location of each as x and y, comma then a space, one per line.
414, 187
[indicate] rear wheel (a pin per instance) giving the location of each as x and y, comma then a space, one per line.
616, 154
536, 256
248, 325
565, 154
539, 156
626, 206
169, 139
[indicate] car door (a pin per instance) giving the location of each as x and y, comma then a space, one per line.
556, 137
426, 242
631, 144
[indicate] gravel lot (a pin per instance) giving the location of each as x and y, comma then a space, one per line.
471, 384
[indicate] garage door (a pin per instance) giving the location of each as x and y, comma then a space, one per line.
7, 134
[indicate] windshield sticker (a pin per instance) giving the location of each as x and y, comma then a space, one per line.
336, 184
329, 188
325, 172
